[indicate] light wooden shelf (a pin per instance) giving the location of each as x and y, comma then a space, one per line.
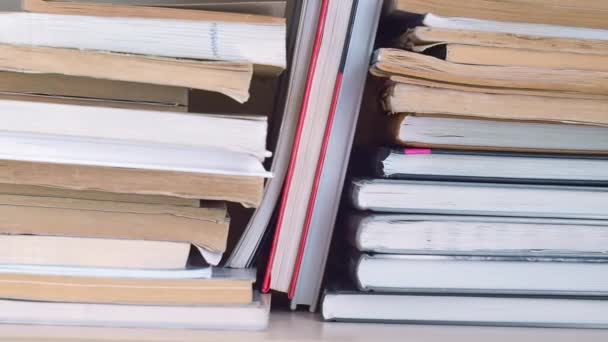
300, 326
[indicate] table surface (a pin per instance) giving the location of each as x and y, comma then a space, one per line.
303, 326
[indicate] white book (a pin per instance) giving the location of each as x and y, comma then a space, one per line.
72, 150
479, 274
540, 30
256, 43
224, 132
468, 310
254, 316
92, 252
477, 235
468, 198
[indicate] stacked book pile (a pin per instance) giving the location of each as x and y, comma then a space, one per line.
112, 197
493, 209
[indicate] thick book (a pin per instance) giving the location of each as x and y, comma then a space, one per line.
190, 38
92, 252
204, 286
411, 98
578, 312
476, 235
466, 133
484, 274
129, 182
422, 37
252, 316
229, 78
469, 198
389, 62
206, 228
547, 12
310, 141
438, 164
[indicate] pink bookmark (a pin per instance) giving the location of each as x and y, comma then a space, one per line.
417, 150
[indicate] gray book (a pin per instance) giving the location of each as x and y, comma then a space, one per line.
479, 274
477, 235
468, 310
469, 198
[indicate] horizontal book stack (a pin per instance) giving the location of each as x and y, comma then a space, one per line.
113, 196
489, 204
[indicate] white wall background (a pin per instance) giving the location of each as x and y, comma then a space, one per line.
10, 5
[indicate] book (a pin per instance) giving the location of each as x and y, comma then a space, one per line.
468, 198
243, 254
206, 227
562, 12
273, 8
243, 41
453, 132
92, 252
331, 172
525, 28
43, 191
75, 150
191, 186
405, 63
422, 37
319, 103
252, 316
124, 286
484, 274
493, 310
82, 88
122, 10
476, 235
485, 55
91, 102
229, 78
422, 163
410, 98
245, 134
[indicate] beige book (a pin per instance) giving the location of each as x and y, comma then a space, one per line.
495, 90
104, 290
92, 252
42, 191
126, 11
229, 78
408, 98
424, 36
79, 101
581, 13
484, 55
241, 189
205, 227
399, 62
89, 88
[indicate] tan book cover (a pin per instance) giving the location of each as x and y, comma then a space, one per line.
581, 13
101, 290
421, 37
205, 227
89, 88
42, 191
126, 11
229, 78
241, 189
409, 98
485, 55
390, 62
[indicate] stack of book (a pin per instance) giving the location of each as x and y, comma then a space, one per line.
112, 198
493, 209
